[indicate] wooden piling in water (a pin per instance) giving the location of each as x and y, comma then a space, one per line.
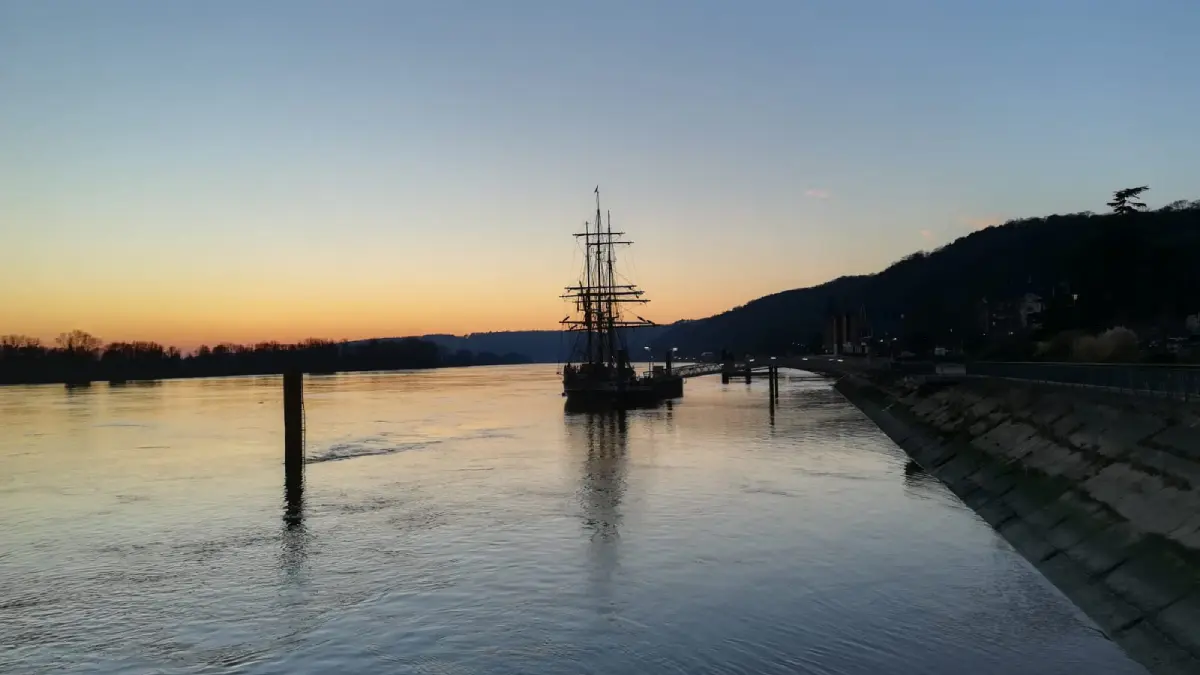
771, 389
293, 424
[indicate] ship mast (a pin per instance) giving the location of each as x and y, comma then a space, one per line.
586, 297
598, 296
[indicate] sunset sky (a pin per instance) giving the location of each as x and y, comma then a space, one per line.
193, 172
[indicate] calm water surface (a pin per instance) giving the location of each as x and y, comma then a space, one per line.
458, 521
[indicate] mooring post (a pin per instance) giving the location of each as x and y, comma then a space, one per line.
771, 388
748, 372
293, 424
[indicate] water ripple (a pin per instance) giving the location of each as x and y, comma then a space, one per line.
364, 448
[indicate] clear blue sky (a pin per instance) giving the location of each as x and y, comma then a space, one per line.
199, 171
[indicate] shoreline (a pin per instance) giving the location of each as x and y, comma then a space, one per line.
135, 381
1063, 504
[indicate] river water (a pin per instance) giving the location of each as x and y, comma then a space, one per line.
458, 521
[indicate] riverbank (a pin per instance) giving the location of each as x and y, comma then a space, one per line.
1101, 492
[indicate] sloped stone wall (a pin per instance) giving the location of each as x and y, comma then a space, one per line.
1101, 492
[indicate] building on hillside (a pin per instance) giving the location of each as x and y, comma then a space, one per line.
1030, 308
1008, 317
983, 317
999, 318
847, 333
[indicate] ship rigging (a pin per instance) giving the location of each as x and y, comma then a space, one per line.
599, 369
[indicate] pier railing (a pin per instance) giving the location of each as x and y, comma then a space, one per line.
696, 369
1169, 381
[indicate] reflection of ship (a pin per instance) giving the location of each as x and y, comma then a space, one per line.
603, 471
599, 371
601, 487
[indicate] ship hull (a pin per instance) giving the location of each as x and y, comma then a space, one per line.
608, 394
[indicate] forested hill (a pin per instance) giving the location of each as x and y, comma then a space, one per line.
1140, 270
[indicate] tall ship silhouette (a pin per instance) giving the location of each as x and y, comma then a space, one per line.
598, 372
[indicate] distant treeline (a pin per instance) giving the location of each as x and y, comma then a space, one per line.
80, 357
542, 346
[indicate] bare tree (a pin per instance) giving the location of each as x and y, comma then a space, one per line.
1125, 201
79, 342
16, 342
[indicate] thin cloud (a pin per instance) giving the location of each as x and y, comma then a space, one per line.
926, 234
817, 193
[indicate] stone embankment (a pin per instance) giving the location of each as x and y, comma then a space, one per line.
1100, 491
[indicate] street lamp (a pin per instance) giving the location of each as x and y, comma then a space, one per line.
649, 359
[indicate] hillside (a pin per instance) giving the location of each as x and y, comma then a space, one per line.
1094, 271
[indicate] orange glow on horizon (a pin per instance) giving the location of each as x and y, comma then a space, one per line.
253, 293
187, 323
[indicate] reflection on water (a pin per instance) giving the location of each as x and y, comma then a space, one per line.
294, 536
919, 483
293, 498
602, 436
458, 521
603, 479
